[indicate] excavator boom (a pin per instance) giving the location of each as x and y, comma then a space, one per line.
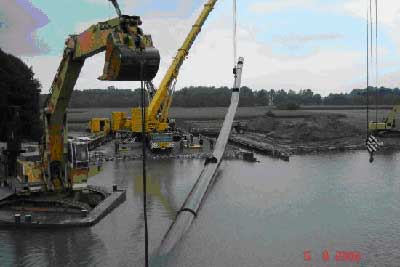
130, 56
388, 124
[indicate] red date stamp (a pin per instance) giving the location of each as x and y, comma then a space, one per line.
343, 256
348, 256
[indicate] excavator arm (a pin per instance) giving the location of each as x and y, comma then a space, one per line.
387, 127
391, 118
130, 56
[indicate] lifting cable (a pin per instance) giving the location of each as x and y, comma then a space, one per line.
368, 18
144, 180
376, 61
371, 63
234, 33
372, 142
371, 21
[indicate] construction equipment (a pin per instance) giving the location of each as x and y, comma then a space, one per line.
157, 121
130, 56
100, 126
387, 127
121, 124
158, 109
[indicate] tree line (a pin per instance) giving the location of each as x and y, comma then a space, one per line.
19, 89
372, 96
200, 96
210, 96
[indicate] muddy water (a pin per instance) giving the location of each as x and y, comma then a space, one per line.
264, 214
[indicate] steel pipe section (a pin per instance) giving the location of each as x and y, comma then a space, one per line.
191, 206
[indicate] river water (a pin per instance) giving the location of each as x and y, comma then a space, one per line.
256, 214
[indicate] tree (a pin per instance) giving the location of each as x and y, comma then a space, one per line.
19, 88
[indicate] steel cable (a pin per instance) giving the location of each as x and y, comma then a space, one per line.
234, 33
376, 61
144, 180
368, 70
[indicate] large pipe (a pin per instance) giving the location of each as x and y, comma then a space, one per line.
191, 206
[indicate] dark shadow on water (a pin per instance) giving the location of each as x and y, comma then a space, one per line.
73, 247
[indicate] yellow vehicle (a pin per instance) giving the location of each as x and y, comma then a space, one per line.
130, 56
100, 126
121, 125
29, 176
157, 112
388, 125
117, 121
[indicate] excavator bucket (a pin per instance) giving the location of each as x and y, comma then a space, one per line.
124, 63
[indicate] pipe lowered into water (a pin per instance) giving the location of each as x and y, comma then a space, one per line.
191, 206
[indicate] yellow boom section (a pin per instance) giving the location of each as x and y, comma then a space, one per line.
161, 100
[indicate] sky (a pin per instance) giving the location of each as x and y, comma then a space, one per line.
287, 44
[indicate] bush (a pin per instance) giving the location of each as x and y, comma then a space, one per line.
288, 106
270, 114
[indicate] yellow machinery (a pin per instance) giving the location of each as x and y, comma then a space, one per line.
117, 121
157, 122
30, 176
388, 125
100, 126
158, 110
130, 56
120, 122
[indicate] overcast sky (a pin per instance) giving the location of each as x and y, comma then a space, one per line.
297, 44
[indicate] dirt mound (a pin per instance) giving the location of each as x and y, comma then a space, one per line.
315, 128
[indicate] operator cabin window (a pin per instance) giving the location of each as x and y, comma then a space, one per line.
81, 153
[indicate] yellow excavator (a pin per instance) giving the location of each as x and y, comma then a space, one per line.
157, 125
387, 127
130, 56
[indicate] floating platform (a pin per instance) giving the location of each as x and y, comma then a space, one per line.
37, 217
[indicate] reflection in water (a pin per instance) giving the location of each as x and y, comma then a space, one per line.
154, 191
78, 247
262, 214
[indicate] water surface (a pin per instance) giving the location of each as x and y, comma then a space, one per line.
264, 214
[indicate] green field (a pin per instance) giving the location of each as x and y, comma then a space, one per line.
83, 115
77, 118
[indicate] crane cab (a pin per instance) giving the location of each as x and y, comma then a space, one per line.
78, 164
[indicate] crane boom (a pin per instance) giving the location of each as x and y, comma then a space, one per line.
157, 124
161, 100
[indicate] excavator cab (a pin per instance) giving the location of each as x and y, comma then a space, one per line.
130, 55
78, 164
